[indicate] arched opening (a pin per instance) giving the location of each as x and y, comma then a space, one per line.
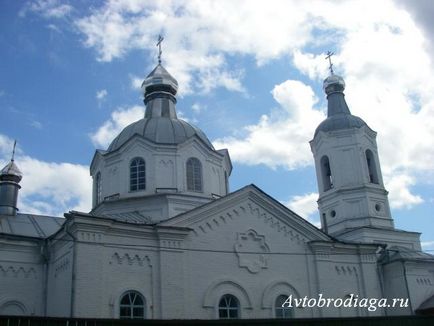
132, 306
98, 189
137, 174
326, 173
280, 309
372, 169
194, 175
229, 307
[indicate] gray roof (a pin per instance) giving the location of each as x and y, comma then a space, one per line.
399, 253
29, 225
339, 122
130, 217
160, 130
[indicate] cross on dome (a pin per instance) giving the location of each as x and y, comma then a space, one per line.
329, 57
160, 40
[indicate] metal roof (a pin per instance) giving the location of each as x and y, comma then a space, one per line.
130, 217
160, 130
29, 225
160, 124
11, 169
341, 121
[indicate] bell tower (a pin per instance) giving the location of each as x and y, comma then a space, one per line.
350, 183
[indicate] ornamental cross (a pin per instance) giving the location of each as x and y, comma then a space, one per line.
329, 56
160, 39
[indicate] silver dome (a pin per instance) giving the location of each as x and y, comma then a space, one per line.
160, 130
333, 83
11, 172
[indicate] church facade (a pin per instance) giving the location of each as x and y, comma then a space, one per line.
166, 239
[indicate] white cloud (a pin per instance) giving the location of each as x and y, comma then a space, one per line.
49, 188
281, 137
119, 119
399, 192
381, 52
197, 33
36, 124
427, 245
197, 108
47, 8
305, 206
101, 94
136, 82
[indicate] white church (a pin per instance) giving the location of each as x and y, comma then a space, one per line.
166, 239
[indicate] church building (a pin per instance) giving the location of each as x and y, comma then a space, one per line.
166, 239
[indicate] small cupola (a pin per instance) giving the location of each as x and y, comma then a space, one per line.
10, 177
339, 116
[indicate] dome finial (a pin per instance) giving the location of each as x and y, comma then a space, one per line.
329, 57
13, 150
333, 83
160, 40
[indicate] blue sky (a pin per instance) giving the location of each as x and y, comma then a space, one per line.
250, 75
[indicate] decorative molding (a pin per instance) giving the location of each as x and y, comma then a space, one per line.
424, 281
172, 244
90, 237
233, 213
346, 270
126, 258
226, 286
274, 289
165, 164
251, 250
62, 266
17, 272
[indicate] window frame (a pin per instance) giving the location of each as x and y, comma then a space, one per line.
283, 310
228, 308
131, 305
139, 186
194, 169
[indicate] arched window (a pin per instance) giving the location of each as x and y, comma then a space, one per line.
229, 307
98, 189
281, 311
372, 170
194, 175
132, 306
326, 173
137, 174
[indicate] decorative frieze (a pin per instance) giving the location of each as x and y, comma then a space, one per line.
17, 272
130, 259
346, 270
